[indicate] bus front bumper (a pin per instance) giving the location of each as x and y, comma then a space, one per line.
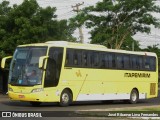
37, 97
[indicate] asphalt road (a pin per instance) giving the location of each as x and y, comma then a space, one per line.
7, 105
74, 112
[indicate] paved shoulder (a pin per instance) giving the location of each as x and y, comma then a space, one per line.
3, 97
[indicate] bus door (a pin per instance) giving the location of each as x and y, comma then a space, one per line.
53, 68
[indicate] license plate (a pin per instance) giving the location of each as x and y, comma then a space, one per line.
21, 96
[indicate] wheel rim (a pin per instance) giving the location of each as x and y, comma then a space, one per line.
134, 96
65, 98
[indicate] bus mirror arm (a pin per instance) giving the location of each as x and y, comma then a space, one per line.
3, 62
41, 61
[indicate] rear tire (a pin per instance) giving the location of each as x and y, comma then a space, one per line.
35, 104
65, 99
134, 96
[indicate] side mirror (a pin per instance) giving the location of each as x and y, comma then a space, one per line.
41, 61
3, 62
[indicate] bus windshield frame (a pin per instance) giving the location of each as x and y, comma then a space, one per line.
24, 70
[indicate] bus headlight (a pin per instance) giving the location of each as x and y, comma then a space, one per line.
10, 89
37, 90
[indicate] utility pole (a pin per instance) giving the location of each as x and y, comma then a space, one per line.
133, 46
76, 9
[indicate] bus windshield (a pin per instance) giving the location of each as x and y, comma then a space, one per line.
24, 69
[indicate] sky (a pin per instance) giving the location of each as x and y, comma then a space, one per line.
65, 11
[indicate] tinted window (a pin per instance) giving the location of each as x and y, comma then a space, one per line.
95, 59
90, 59
147, 63
134, 62
112, 61
87, 58
152, 63
108, 60
54, 65
140, 62
77, 57
69, 57
120, 61
104, 60
126, 61
84, 59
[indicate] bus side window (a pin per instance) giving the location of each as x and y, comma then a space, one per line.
140, 63
87, 58
84, 58
134, 62
104, 60
126, 61
137, 63
146, 63
69, 58
120, 61
77, 58
95, 59
90, 59
152, 63
112, 61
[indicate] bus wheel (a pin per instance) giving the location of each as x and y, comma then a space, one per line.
35, 104
66, 98
134, 96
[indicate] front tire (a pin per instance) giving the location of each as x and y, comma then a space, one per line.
65, 99
134, 96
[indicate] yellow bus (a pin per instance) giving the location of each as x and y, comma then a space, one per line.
64, 72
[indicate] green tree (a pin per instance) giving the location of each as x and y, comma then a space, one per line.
154, 49
29, 23
115, 21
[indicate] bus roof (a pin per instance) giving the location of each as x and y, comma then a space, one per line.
66, 44
87, 46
